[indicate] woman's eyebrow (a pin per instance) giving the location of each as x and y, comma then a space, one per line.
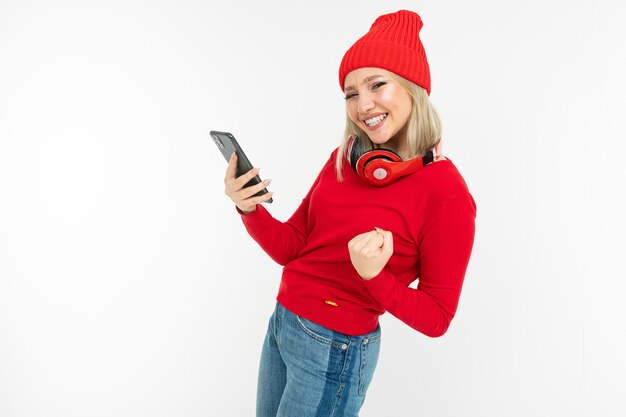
365, 81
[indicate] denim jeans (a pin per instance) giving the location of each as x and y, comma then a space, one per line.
309, 370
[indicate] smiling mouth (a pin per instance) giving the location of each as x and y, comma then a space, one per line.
375, 120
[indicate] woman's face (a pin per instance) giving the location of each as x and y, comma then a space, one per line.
379, 106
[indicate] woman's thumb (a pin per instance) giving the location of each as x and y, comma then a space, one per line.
388, 242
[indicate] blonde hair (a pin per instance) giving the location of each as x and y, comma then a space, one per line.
423, 129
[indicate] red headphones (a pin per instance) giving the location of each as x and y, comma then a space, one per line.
380, 167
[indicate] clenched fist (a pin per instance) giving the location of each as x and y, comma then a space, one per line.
370, 252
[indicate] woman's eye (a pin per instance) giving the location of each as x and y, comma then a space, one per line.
349, 96
379, 84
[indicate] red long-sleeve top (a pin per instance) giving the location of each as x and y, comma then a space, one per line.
431, 216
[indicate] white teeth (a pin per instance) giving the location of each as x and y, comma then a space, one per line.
375, 120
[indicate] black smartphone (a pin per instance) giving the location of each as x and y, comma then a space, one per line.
227, 144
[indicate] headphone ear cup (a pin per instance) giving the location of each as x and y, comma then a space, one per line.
374, 166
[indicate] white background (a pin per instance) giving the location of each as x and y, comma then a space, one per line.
128, 285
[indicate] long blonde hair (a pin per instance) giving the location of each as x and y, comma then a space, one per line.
423, 129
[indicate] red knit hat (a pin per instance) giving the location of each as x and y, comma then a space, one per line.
392, 43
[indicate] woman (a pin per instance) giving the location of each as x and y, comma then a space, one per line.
373, 222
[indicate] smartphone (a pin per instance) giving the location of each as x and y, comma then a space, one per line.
227, 144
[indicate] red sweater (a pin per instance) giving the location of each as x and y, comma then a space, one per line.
431, 215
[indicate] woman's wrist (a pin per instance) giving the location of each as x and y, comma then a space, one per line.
247, 211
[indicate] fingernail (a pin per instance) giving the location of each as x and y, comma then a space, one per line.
267, 181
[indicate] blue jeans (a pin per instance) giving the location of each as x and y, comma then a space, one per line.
309, 370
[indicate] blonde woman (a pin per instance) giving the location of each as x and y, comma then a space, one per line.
386, 209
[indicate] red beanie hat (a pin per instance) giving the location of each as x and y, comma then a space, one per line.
392, 43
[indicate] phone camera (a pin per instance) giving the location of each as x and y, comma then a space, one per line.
218, 142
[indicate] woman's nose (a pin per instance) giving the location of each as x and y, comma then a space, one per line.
365, 103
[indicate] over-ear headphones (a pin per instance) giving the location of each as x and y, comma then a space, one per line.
380, 167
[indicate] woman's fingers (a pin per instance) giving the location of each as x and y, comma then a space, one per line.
232, 168
387, 243
358, 241
252, 202
236, 183
248, 192
245, 178
244, 198
367, 242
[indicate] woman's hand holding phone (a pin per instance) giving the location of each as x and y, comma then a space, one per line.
244, 198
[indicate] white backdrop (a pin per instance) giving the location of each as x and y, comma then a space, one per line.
128, 285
